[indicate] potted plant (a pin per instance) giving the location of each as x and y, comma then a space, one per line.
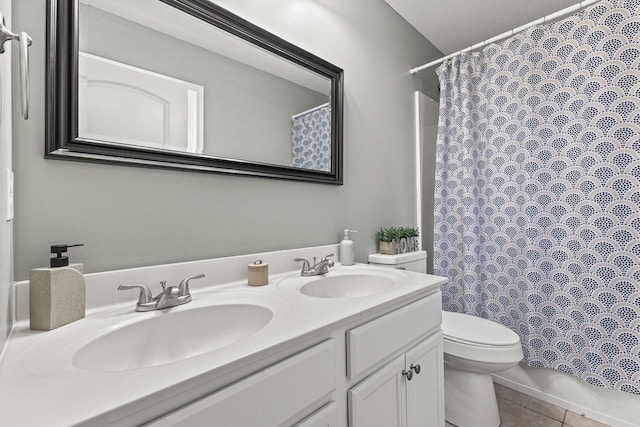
388, 240
398, 240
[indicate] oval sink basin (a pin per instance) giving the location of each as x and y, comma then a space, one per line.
171, 336
348, 286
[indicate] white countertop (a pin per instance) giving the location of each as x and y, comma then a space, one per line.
39, 384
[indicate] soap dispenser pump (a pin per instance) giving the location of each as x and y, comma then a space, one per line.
346, 248
59, 260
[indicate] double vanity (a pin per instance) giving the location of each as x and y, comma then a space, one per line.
358, 346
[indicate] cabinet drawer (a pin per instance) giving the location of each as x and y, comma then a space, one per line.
267, 398
372, 342
325, 417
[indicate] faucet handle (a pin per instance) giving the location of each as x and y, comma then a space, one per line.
329, 262
184, 285
145, 293
305, 265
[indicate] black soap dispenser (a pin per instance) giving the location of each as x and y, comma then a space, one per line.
57, 294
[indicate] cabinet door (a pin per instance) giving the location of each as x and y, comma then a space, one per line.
425, 391
378, 401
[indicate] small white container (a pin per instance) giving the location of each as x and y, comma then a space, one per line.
258, 273
410, 261
346, 248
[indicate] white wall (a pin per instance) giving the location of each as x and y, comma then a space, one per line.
6, 228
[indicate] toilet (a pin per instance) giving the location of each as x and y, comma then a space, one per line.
474, 348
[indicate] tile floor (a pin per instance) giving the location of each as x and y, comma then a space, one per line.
519, 410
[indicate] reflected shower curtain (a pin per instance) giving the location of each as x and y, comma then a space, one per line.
311, 139
537, 200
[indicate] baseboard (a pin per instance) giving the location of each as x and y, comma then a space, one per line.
508, 379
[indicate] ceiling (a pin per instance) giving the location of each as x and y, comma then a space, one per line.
452, 25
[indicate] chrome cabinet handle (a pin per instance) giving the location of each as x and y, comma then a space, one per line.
408, 374
416, 368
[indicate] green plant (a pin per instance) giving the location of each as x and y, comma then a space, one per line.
402, 232
387, 234
413, 232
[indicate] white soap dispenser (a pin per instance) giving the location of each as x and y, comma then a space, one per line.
346, 248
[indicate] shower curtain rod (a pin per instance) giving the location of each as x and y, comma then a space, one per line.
295, 116
510, 33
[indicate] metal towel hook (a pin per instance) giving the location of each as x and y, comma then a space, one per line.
24, 42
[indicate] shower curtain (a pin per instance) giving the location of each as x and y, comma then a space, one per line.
537, 199
311, 139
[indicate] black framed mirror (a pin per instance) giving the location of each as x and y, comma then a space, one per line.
187, 84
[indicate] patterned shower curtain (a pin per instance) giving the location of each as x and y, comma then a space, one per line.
311, 139
537, 206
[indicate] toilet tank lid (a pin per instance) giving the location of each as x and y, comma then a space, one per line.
397, 259
476, 330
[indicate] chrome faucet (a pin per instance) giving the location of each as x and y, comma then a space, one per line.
169, 297
318, 269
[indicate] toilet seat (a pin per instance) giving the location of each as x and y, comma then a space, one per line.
469, 329
474, 338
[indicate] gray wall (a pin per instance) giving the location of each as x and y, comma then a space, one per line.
247, 111
6, 228
130, 216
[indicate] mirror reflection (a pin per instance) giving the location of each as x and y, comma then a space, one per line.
153, 77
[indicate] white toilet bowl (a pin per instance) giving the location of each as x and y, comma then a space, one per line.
474, 348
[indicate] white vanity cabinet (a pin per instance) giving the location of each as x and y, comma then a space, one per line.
385, 370
334, 360
269, 397
408, 391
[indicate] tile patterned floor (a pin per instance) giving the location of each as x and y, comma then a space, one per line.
519, 410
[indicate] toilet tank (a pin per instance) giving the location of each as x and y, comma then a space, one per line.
411, 261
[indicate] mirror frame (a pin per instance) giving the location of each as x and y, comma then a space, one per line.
61, 128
